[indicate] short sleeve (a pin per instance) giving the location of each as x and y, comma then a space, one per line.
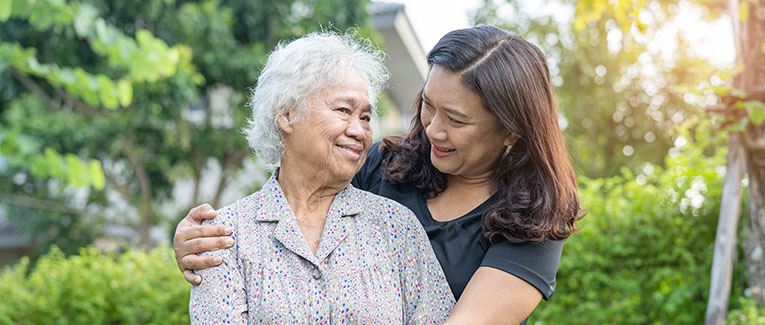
426, 294
535, 263
221, 296
370, 175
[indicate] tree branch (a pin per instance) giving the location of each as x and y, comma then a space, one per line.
33, 87
121, 188
77, 103
36, 203
140, 170
233, 159
145, 207
753, 144
751, 94
197, 175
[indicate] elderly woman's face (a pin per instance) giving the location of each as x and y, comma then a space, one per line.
336, 133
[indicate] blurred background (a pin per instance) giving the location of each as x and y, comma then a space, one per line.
117, 117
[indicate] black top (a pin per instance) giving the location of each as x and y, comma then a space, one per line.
459, 244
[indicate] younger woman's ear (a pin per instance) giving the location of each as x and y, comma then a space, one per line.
284, 123
511, 139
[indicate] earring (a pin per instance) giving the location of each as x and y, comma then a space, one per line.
507, 150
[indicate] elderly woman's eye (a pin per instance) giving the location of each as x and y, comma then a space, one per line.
343, 110
366, 118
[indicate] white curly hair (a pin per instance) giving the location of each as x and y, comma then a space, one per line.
299, 69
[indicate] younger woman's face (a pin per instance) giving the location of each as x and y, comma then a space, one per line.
466, 139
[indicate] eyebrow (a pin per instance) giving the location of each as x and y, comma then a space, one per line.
352, 101
447, 109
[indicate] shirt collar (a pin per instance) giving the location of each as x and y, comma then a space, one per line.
271, 203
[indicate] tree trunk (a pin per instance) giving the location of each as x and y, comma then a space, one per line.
754, 245
752, 81
725, 241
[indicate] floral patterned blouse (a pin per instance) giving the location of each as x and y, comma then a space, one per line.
374, 265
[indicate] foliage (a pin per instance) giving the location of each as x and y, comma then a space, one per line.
95, 288
645, 248
106, 105
749, 313
618, 93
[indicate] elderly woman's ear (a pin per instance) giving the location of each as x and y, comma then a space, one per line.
284, 122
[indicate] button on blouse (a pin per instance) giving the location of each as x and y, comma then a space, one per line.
374, 264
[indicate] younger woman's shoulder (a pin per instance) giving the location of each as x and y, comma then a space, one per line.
369, 176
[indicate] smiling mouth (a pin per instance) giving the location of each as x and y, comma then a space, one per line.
442, 152
354, 150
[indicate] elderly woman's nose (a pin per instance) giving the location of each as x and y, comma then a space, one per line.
355, 129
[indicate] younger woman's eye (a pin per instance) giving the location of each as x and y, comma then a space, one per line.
456, 121
425, 104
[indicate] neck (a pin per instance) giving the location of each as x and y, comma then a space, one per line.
477, 181
479, 185
308, 193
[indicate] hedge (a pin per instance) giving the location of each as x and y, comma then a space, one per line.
95, 288
645, 249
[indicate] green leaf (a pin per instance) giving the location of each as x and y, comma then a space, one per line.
54, 163
5, 10
96, 174
743, 11
739, 126
40, 168
77, 173
721, 90
10, 144
107, 92
83, 22
738, 93
21, 7
125, 90
756, 111
86, 87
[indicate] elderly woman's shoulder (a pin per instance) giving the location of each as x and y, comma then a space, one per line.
381, 209
230, 214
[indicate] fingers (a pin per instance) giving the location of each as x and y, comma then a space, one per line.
200, 213
192, 232
192, 277
196, 262
208, 231
202, 244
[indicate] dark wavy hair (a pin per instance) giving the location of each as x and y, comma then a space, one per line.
535, 187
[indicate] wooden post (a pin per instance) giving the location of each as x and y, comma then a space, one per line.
725, 241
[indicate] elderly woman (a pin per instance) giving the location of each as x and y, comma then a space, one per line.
309, 247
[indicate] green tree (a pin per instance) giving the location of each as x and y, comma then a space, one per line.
103, 97
620, 99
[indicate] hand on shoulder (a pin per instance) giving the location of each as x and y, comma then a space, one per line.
192, 238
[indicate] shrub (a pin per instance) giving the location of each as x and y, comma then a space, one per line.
95, 288
645, 250
748, 313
